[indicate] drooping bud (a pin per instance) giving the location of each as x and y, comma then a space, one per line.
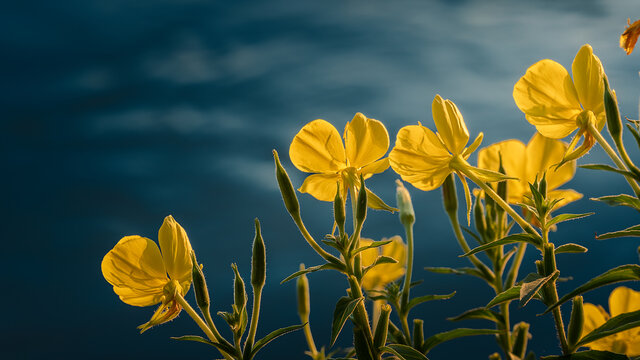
286, 189
449, 196
576, 323
302, 289
338, 210
239, 293
407, 215
361, 204
380, 335
521, 336
258, 260
614, 124
199, 284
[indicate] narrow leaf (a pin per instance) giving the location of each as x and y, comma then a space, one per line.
515, 238
404, 352
606, 168
459, 271
374, 244
507, 295
479, 313
361, 346
631, 231
621, 273
570, 248
425, 298
620, 200
566, 217
588, 355
222, 347
273, 335
438, 339
309, 270
532, 284
612, 326
344, 309
379, 261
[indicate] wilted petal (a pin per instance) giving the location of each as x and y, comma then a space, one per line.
135, 269
542, 154
164, 313
366, 140
321, 186
588, 79
513, 162
317, 148
176, 251
450, 124
629, 37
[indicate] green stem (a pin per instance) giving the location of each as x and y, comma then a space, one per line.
515, 266
591, 128
406, 287
255, 315
309, 337
455, 224
552, 292
360, 314
303, 230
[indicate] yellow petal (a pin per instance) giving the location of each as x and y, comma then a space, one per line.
375, 167
623, 300
383, 274
321, 186
164, 313
420, 158
317, 148
176, 251
366, 140
450, 124
588, 79
542, 153
594, 317
548, 98
513, 162
567, 196
135, 269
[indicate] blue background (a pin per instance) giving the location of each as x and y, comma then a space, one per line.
118, 113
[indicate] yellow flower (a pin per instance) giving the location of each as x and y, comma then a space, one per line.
138, 271
557, 105
381, 275
528, 163
318, 149
622, 300
630, 35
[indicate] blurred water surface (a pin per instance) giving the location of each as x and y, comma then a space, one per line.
117, 113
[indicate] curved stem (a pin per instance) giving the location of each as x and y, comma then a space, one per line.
612, 154
309, 337
455, 224
313, 243
255, 315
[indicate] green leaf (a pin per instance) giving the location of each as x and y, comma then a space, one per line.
310, 270
631, 231
606, 168
273, 335
222, 347
570, 248
419, 300
344, 308
374, 202
507, 295
635, 134
404, 352
621, 273
612, 326
532, 284
438, 339
588, 355
379, 261
361, 345
459, 271
515, 238
374, 244
566, 217
620, 200
479, 313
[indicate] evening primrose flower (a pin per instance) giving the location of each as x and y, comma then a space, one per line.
317, 148
630, 35
381, 275
138, 270
622, 300
557, 105
528, 163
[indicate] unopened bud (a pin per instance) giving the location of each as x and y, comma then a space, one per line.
382, 327
286, 189
258, 260
614, 124
521, 336
199, 284
576, 323
361, 207
405, 206
418, 333
338, 209
542, 187
449, 196
549, 259
479, 217
239, 293
302, 289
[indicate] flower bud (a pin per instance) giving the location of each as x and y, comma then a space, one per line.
302, 288
449, 196
614, 124
521, 336
286, 189
239, 293
361, 207
549, 259
199, 284
407, 215
258, 260
338, 209
576, 323
479, 218
418, 333
380, 335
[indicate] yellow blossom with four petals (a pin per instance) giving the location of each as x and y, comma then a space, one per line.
318, 148
557, 105
622, 300
528, 163
138, 270
381, 275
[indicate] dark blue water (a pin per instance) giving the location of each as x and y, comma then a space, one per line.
117, 113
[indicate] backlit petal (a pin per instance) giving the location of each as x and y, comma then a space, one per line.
321, 186
383, 274
542, 154
567, 196
135, 269
317, 148
623, 300
375, 167
513, 162
548, 98
366, 140
588, 79
450, 124
595, 316
176, 251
